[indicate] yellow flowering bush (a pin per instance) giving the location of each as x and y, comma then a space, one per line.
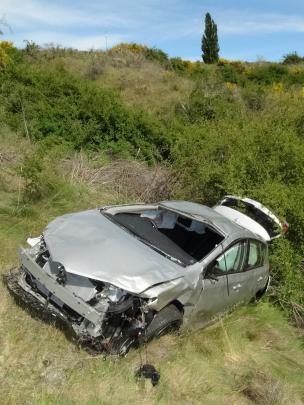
223, 62
5, 47
296, 70
230, 86
132, 47
237, 64
278, 87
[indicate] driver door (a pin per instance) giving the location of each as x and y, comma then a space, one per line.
219, 293
213, 300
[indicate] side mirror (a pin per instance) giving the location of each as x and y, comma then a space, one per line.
212, 277
211, 272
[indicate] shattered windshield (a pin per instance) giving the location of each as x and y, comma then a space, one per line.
180, 238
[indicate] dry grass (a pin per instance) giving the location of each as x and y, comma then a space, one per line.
126, 179
263, 389
141, 83
149, 86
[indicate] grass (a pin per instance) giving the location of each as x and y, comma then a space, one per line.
140, 82
251, 356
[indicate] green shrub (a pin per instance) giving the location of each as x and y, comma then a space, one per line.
292, 59
267, 73
53, 103
287, 279
254, 98
179, 65
231, 74
261, 157
155, 54
41, 174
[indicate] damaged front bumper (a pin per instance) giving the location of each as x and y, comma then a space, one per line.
60, 295
32, 301
99, 326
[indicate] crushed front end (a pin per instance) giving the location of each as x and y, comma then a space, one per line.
101, 316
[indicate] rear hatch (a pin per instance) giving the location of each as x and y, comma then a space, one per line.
252, 215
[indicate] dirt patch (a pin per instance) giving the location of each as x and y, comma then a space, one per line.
54, 376
8, 158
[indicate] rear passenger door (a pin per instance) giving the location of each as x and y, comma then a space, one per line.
257, 263
240, 281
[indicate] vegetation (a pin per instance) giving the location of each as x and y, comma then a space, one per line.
5, 48
292, 59
210, 45
86, 129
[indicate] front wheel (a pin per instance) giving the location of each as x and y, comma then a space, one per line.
168, 320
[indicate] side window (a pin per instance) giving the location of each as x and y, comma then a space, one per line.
256, 254
232, 261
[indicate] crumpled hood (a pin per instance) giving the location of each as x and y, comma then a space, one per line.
90, 245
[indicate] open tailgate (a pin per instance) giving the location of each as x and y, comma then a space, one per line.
252, 215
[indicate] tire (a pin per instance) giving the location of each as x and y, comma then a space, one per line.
260, 294
168, 320
122, 345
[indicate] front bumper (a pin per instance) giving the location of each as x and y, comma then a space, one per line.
56, 299
99, 327
21, 291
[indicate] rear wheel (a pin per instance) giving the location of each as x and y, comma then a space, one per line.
168, 320
260, 294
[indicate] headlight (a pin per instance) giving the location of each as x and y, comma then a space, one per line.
112, 293
35, 245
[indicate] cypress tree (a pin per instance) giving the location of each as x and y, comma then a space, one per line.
210, 45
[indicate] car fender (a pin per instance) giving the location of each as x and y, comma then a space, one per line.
161, 295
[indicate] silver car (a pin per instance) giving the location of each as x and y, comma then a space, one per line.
123, 274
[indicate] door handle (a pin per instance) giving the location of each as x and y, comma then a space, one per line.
260, 278
237, 286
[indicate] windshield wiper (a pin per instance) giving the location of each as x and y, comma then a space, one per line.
145, 241
174, 259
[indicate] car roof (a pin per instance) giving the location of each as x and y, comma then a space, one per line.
204, 213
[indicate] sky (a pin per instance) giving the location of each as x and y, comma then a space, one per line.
247, 29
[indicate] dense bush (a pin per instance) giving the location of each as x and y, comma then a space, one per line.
53, 103
292, 59
254, 155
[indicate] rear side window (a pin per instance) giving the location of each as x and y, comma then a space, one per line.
256, 254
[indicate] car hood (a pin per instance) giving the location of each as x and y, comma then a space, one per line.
89, 244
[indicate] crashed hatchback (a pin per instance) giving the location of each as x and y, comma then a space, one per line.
120, 274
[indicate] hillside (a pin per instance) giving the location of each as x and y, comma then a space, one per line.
85, 129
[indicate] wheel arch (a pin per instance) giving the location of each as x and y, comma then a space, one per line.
261, 293
178, 305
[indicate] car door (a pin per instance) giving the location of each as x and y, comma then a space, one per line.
240, 282
213, 299
257, 263
228, 280
216, 298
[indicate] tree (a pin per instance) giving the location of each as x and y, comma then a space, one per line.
292, 59
210, 45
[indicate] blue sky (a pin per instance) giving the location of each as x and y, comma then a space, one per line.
248, 29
